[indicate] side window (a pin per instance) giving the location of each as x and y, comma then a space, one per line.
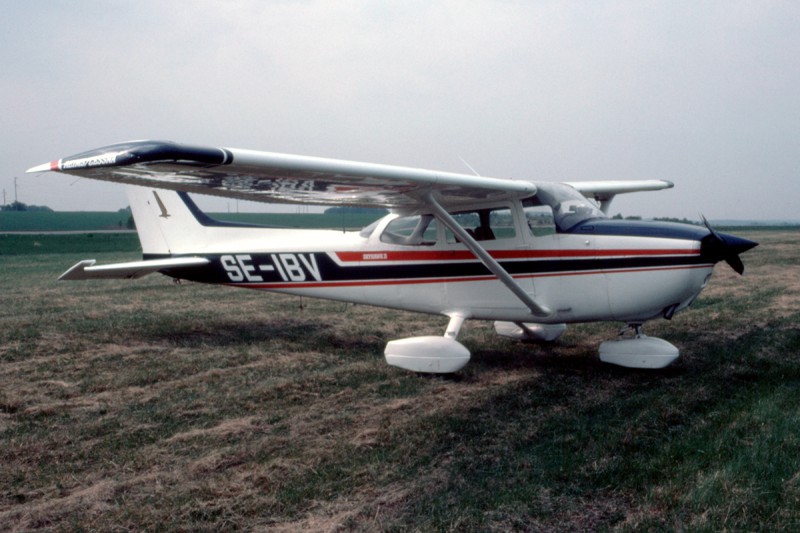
539, 217
485, 224
411, 231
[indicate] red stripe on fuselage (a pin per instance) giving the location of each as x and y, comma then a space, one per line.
464, 255
420, 281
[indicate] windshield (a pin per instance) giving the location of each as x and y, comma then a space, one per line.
569, 206
366, 232
411, 231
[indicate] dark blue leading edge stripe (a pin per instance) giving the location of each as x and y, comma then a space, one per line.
137, 152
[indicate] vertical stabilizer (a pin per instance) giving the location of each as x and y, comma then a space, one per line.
164, 222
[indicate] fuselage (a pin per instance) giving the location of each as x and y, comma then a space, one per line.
599, 269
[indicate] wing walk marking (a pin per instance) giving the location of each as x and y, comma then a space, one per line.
349, 257
422, 281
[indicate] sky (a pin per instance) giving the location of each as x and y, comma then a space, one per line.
704, 94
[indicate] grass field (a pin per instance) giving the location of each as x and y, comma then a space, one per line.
150, 405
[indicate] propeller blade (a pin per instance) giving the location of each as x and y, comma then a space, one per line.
709, 228
736, 264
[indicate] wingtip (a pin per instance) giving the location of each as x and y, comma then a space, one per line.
44, 167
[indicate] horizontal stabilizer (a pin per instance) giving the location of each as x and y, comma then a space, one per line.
132, 270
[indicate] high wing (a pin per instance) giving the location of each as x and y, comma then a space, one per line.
273, 177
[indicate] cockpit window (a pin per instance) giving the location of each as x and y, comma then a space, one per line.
570, 207
411, 231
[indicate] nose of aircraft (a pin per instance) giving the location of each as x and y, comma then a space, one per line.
723, 247
737, 245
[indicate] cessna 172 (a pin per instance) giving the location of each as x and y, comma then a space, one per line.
531, 256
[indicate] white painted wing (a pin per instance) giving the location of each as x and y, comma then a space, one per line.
273, 177
135, 269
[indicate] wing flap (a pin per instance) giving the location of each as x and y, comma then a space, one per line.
133, 270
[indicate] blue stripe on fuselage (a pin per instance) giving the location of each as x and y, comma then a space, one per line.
640, 228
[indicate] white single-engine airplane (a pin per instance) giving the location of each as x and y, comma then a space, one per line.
531, 256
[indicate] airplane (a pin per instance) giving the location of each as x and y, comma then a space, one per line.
530, 256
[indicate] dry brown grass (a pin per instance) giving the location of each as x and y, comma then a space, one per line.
145, 405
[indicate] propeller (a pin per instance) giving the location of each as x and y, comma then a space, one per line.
726, 248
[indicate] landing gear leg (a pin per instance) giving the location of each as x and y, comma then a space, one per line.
632, 331
454, 326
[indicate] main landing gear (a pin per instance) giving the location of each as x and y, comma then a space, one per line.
634, 349
430, 354
442, 355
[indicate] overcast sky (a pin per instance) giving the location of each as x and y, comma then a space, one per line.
702, 93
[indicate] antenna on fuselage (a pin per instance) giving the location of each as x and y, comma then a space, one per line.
469, 166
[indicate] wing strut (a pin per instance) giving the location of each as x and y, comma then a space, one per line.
488, 261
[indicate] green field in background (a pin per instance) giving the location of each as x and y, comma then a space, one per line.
96, 221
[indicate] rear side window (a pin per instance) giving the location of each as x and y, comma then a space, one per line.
485, 224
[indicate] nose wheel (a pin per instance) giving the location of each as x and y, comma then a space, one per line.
634, 349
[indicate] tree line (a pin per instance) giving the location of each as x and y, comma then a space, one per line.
20, 206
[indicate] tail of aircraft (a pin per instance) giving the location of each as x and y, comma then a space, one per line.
167, 222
